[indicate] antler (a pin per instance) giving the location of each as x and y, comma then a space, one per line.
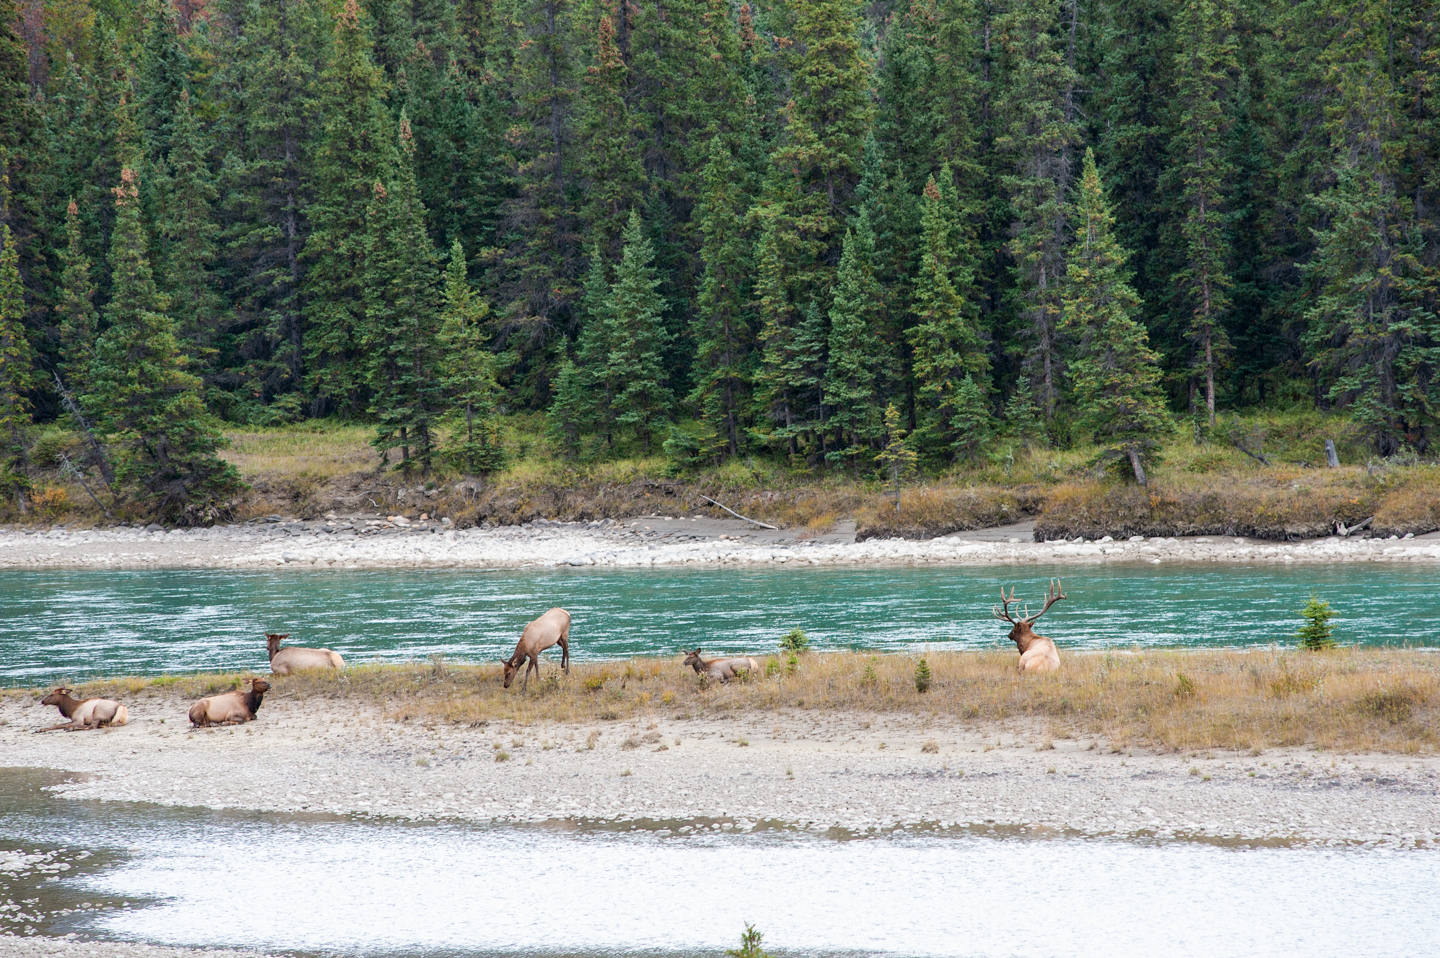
1052, 596
1004, 616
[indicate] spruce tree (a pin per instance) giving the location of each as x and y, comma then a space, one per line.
188, 232
354, 154
162, 77
1116, 378
612, 162
584, 393
723, 334
1035, 133
75, 315
849, 387
468, 372
636, 339
17, 370
1204, 63
399, 337
266, 94
947, 348
1373, 329
141, 394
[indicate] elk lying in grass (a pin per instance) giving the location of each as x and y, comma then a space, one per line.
230, 708
294, 657
1037, 653
721, 669
84, 713
552, 628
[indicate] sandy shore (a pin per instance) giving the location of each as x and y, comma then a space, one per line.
380, 542
817, 771
16, 946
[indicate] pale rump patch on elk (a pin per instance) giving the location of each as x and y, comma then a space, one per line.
1037, 653
294, 657
720, 669
84, 713
552, 628
230, 708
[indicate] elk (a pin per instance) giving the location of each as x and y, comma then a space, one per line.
1037, 653
721, 669
552, 628
230, 708
84, 713
293, 658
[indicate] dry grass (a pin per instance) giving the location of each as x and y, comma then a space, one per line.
322, 451
1348, 699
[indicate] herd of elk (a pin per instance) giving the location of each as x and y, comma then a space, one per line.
1037, 653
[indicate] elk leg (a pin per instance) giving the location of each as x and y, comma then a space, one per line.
64, 725
565, 656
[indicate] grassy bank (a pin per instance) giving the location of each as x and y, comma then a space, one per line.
1208, 487
1349, 699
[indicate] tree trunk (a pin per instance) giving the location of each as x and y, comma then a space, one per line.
1136, 465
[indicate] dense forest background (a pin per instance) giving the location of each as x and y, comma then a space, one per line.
821, 230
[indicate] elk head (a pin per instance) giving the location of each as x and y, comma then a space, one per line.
273, 640
60, 694
693, 660
1021, 632
511, 667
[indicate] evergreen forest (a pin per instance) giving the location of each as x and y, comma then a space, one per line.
817, 232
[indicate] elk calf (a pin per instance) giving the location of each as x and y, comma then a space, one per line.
230, 708
84, 713
1037, 653
294, 657
720, 669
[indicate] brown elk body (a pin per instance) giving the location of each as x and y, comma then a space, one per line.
552, 628
230, 708
1037, 653
720, 669
84, 713
293, 658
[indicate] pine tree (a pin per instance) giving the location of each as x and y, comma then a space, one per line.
1204, 62
189, 232
17, 367
399, 338
724, 337
945, 339
1116, 379
849, 386
1022, 418
636, 338
1317, 633
971, 422
142, 395
583, 389
160, 80
468, 371
354, 155
75, 308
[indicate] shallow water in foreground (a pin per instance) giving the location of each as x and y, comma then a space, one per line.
65, 625
327, 885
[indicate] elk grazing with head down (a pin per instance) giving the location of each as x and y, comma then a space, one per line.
1037, 653
84, 713
722, 669
230, 708
293, 658
552, 628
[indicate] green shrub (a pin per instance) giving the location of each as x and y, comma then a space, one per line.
1317, 632
749, 945
1184, 686
922, 676
795, 641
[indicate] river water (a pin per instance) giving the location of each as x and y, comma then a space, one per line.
338, 886
68, 625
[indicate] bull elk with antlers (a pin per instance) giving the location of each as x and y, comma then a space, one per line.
1037, 653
